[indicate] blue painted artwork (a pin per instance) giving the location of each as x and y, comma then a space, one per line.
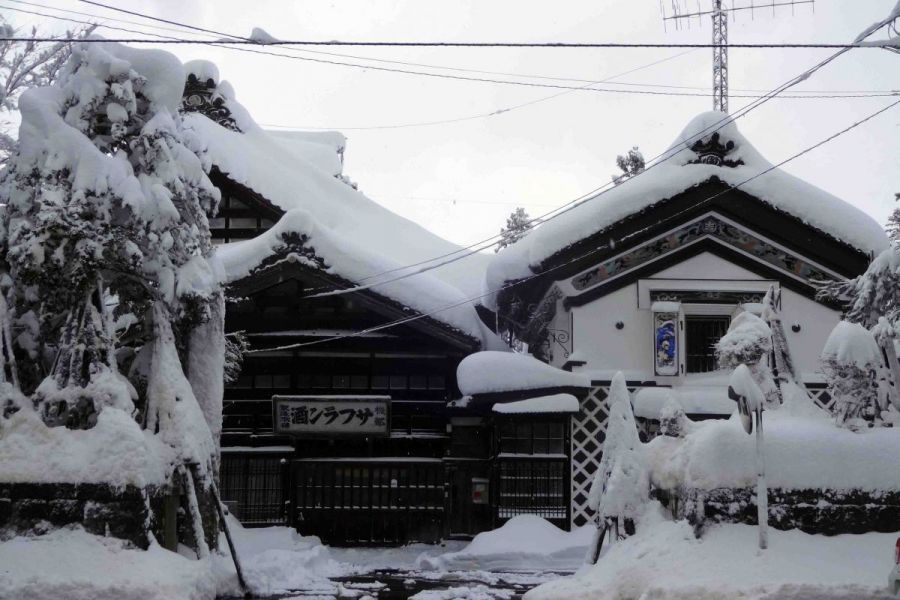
666, 344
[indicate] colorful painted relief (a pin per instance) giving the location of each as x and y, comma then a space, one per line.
665, 328
709, 226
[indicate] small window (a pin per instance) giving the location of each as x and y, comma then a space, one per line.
242, 223
701, 335
321, 381
235, 203
398, 382
380, 382
359, 382
262, 381
216, 223
341, 382
418, 382
281, 381
303, 380
436, 382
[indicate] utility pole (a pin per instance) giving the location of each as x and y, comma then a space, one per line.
719, 14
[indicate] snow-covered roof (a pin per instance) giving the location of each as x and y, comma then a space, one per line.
555, 403
815, 207
494, 371
358, 238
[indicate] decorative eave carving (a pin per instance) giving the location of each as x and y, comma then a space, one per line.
713, 152
202, 97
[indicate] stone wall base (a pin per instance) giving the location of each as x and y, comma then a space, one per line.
822, 511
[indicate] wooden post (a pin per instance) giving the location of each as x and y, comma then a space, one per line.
762, 494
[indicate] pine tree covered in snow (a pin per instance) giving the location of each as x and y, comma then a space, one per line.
621, 484
873, 301
236, 345
517, 225
893, 222
106, 222
851, 361
631, 164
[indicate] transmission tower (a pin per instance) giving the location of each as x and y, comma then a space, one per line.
719, 15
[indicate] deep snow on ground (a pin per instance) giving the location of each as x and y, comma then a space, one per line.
664, 561
71, 564
524, 543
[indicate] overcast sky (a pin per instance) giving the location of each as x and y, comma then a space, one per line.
462, 179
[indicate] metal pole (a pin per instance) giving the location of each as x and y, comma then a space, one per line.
762, 495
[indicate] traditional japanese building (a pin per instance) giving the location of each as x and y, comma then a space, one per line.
646, 278
338, 422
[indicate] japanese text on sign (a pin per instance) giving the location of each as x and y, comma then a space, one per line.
363, 415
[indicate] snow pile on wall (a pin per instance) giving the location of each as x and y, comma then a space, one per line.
494, 371
523, 542
648, 402
115, 451
351, 259
777, 188
664, 561
802, 452
557, 403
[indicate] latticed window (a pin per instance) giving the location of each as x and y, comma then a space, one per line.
532, 437
702, 333
532, 487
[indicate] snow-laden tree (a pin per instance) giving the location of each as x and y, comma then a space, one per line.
852, 364
893, 222
621, 485
631, 164
25, 65
517, 225
106, 221
873, 300
747, 342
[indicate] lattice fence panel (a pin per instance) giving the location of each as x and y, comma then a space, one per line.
821, 397
588, 434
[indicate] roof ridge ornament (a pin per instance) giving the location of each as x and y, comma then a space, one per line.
713, 152
203, 97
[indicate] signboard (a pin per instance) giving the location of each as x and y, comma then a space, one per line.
327, 416
665, 343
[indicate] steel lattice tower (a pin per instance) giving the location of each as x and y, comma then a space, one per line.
720, 57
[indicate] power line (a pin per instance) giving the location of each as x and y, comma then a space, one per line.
608, 245
588, 87
592, 195
558, 45
416, 64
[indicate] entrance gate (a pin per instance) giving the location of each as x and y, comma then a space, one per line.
359, 501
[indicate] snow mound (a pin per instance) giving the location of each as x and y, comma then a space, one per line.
782, 191
851, 343
277, 560
494, 371
32, 452
523, 542
694, 399
801, 453
664, 561
75, 565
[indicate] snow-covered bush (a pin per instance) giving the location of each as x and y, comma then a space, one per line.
621, 484
673, 422
851, 361
746, 342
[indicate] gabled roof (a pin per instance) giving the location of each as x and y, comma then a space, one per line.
684, 170
298, 238
361, 241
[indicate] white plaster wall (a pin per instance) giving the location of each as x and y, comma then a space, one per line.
605, 348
